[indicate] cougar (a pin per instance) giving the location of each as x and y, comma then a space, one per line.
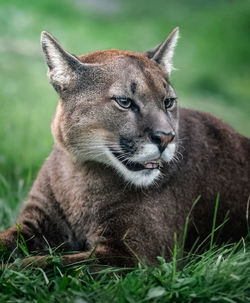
128, 164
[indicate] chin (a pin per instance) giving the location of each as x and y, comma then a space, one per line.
142, 178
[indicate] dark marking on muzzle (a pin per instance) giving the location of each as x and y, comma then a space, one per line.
128, 145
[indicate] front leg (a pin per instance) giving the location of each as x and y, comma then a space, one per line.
8, 241
99, 256
41, 223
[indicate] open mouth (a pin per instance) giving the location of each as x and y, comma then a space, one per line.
136, 166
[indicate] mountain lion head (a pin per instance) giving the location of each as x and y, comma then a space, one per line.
116, 107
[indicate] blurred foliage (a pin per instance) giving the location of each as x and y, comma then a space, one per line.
212, 60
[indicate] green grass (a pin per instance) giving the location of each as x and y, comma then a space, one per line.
220, 274
213, 63
215, 274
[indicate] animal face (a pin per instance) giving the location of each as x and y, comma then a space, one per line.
116, 107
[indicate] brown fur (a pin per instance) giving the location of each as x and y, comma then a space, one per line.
81, 202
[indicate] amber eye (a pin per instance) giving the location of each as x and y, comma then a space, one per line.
169, 103
123, 102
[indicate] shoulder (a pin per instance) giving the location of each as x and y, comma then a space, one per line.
208, 132
195, 120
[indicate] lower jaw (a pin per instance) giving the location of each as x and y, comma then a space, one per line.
142, 178
136, 166
146, 170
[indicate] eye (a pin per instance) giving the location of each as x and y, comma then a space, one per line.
169, 103
123, 102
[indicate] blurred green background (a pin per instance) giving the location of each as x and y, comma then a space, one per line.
212, 60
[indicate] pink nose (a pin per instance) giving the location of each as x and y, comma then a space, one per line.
162, 139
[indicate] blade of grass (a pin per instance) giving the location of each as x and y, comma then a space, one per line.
214, 221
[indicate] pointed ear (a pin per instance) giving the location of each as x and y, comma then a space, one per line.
63, 66
163, 53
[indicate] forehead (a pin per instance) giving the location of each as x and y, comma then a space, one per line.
139, 77
131, 71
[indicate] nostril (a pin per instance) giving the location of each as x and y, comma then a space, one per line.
155, 138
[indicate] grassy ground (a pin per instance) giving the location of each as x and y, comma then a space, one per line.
219, 275
213, 65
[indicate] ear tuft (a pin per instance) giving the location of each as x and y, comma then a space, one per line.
62, 65
164, 52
